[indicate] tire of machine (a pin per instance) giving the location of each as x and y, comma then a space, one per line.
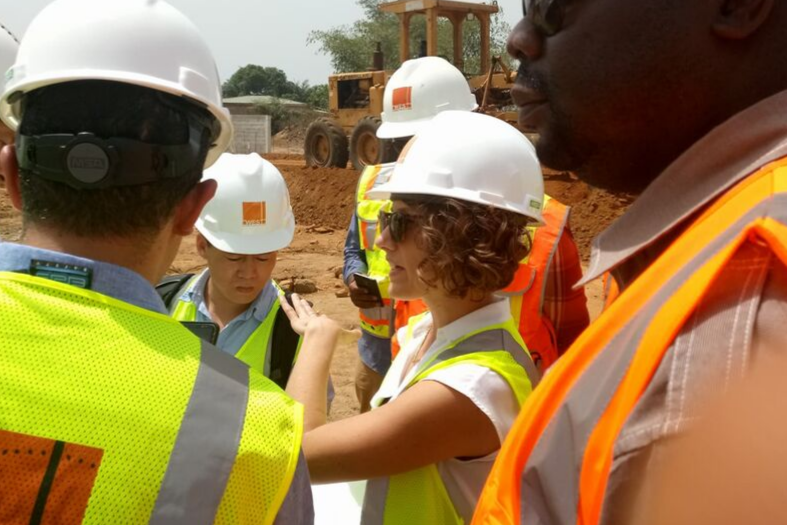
325, 145
365, 147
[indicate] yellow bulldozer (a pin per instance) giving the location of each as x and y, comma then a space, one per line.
356, 99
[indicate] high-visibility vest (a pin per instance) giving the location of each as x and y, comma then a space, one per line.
419, 497
111, 413
257, 348
613, 361
404, 311
610, 288
377, 321
526, 291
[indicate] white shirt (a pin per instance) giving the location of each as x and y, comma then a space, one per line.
463, 480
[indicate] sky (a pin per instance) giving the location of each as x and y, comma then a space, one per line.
265, 32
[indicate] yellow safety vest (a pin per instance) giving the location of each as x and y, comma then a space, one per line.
419, 497
257, 347
112, 413
376, 321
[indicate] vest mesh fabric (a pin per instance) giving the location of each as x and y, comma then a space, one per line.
419, 497
86, 369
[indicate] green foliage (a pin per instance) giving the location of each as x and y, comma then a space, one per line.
350, 47
271, 81
317, 96
257, 80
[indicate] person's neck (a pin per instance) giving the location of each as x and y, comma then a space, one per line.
145, 257
445, 309
221, 309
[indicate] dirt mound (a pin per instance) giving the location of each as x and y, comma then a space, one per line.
291, 138
592, 209
321, 196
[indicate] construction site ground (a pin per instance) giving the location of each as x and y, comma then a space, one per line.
322, 200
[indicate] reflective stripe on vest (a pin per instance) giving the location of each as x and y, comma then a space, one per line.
212, 425
171, 417
419, 497
526, 292
377, 321
257, 348
555, 464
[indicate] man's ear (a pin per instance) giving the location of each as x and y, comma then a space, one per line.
9, 170
191, 206
739, 19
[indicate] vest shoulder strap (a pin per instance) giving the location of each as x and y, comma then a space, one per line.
284, 346
169, 287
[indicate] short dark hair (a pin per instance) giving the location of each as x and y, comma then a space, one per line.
109, 109
472, 249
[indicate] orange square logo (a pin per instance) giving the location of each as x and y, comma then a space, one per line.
402, 98
254, 213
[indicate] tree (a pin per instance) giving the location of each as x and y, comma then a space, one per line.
351, 47
270, 81
256, 80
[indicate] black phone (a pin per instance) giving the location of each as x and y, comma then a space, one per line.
368, 285
206, 331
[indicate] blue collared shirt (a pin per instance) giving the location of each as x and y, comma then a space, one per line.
237, 332
108, 279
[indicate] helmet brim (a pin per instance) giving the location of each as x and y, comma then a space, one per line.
391, 188
252, 243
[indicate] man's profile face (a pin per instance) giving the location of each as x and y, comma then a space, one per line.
608, 90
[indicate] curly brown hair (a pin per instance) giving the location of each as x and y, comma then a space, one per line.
472, 249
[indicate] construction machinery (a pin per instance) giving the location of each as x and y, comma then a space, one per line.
356, 99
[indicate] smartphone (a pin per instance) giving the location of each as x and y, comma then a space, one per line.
206, 331
368, 285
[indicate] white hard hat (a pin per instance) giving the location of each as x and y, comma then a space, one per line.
251, 212
470, 157
419, 90
142, 42
8, 49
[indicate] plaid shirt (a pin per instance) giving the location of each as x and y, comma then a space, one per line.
564, 306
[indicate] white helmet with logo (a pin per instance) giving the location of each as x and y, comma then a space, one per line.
470, 157
251, 212
419, 90
8, 49
143, 42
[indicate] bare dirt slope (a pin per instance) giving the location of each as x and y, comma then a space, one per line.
323, 203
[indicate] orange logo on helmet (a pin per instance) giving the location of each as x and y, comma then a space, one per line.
402, 98
254, 213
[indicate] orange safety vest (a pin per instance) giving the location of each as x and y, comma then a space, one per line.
526, 291
613, 361
405, 310
611, 289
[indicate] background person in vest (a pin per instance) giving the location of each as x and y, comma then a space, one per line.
8, 48
241, 231
463, 372
683, 102
111, 409
426, 86
549, 311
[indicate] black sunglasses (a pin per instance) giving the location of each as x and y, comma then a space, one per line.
547, 15
397, 223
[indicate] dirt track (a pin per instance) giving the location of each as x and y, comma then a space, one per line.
323, 202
